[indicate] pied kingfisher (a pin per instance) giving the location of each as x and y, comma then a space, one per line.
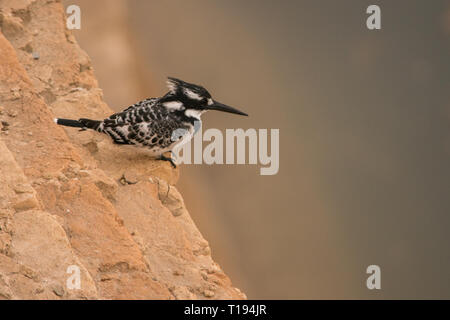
157, 124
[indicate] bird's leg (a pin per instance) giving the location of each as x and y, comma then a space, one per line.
164, 158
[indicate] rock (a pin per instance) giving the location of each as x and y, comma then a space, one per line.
72, 201
107, 186
208, 293
23, 188
5, 293
123, 181
29, 273
84, 173
5, 243
182, 293
58, 290
171, 198
61, 177
91, 146
129, 177
25, 202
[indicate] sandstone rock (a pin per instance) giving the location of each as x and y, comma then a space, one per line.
208, 293
182, 293
170, 198
25, 202
60, 205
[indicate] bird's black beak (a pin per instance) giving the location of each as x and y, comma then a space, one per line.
223, 107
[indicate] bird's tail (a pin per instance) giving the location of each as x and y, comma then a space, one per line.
80, 123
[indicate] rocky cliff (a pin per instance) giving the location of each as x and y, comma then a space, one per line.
70, 198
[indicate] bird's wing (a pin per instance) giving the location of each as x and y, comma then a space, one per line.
134, 124
131, 114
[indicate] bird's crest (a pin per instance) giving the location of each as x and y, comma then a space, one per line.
192, 91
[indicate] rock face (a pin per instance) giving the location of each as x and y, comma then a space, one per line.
71, 199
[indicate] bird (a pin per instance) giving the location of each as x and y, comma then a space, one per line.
157, 124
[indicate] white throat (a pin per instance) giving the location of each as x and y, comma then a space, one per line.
193, 113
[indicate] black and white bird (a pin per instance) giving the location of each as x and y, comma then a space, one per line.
157, 124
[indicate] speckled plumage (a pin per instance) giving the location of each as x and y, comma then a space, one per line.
146, 124
157, 124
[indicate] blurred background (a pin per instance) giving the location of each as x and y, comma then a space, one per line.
364, 134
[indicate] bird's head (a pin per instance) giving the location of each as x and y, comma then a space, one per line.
192, 99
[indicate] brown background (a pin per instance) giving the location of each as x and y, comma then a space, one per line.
364, 134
